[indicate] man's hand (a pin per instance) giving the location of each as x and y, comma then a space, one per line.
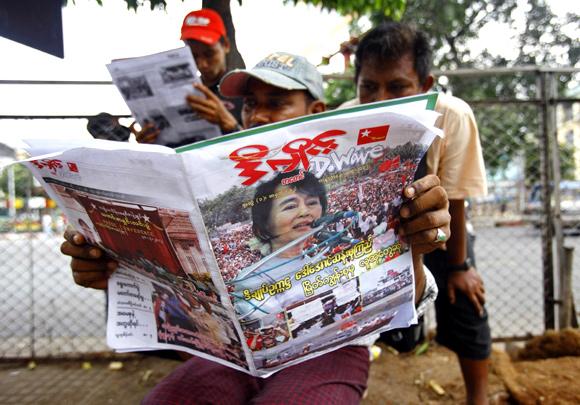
427, 211
90, 265
147, 134
469, 283
212, 109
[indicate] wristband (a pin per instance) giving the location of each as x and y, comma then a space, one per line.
466, 265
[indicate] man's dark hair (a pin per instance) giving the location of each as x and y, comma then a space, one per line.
263, 199
392, 40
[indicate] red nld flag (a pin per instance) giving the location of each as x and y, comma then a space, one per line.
385, 166
374, 134
396, 162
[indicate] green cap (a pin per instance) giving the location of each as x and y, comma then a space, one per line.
280, 69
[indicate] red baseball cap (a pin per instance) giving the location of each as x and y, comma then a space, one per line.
203, 25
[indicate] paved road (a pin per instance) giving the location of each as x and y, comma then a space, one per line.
40, 299
510, 261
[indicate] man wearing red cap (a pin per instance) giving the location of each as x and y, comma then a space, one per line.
205, 34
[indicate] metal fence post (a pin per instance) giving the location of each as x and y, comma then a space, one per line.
566, 310
547, 223
31, 269
560, 261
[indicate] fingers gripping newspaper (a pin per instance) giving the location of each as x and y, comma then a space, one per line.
257, 250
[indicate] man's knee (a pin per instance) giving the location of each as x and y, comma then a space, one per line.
339, 377
200, 381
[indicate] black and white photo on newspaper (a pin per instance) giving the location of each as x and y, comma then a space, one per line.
155, 88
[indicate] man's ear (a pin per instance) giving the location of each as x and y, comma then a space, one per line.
226, 44
428, 84
316, 106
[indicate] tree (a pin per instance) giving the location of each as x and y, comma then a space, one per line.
234, 58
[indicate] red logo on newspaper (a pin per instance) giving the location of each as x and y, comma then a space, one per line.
249, 158
374, 134
51, 164
54, 164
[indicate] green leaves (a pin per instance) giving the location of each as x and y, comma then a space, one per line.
133, 4
356, 8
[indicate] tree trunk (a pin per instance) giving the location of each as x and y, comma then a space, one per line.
234, 59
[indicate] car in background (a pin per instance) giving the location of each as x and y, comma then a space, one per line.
569, 205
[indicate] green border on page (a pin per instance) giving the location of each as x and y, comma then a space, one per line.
430, 97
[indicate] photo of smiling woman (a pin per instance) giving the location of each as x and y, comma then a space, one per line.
300, 199
284, 226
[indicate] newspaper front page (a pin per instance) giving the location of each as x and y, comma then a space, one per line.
257, 250
155, 87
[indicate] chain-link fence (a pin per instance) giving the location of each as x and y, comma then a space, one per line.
43, 312
519, 249
522, 115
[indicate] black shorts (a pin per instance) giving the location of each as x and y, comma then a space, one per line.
459, 326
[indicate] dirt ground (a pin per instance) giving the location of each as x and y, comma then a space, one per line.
430, 378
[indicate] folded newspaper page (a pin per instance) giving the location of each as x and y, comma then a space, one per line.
154, 88
257, 250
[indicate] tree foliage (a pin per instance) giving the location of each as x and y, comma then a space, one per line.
510, 129
135, 4
22, 181
358, 8
338, 90
507, 130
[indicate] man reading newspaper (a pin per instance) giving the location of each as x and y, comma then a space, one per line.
281, 87
393, 60
204, 33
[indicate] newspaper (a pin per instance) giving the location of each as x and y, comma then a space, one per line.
257, 250
155, 87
